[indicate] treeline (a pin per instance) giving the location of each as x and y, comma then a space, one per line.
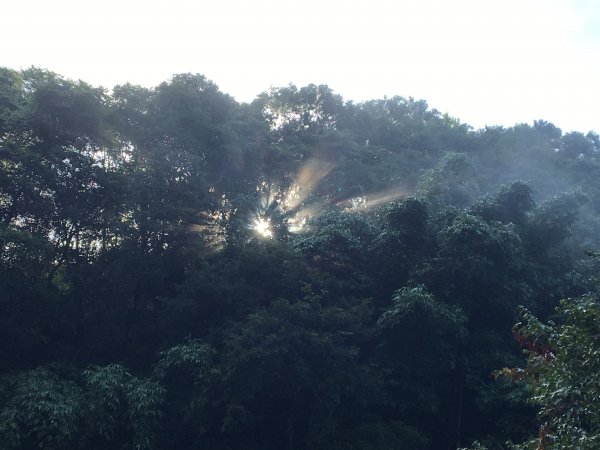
182, 271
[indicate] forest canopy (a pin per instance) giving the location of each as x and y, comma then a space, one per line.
180, 270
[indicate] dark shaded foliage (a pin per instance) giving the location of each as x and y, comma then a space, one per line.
140, 309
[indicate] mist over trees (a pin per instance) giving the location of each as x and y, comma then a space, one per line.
182, 271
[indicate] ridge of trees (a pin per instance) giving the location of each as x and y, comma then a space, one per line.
140, 309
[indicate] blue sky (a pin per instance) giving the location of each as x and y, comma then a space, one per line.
485, 62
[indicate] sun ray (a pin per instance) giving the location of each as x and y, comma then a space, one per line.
308, 178
262, 226
366, 202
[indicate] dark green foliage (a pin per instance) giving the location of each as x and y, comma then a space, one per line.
121, 407
551, 222
451, 183
39, 409
424, 340
562, 374
139, 308
105, 407
292, 375
511, 204
418, 306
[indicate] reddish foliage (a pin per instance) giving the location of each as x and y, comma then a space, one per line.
535, 347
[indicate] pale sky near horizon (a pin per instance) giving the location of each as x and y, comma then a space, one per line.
486, 62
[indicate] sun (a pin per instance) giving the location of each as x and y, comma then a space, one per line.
262, 227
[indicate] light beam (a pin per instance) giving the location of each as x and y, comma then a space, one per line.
262, 227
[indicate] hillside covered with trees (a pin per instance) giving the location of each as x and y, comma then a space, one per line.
182, 271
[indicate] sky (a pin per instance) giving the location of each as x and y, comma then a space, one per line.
485, 62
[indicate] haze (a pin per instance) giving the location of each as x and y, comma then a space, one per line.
484, 62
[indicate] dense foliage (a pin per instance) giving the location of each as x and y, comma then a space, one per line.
181, 271
562, 374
